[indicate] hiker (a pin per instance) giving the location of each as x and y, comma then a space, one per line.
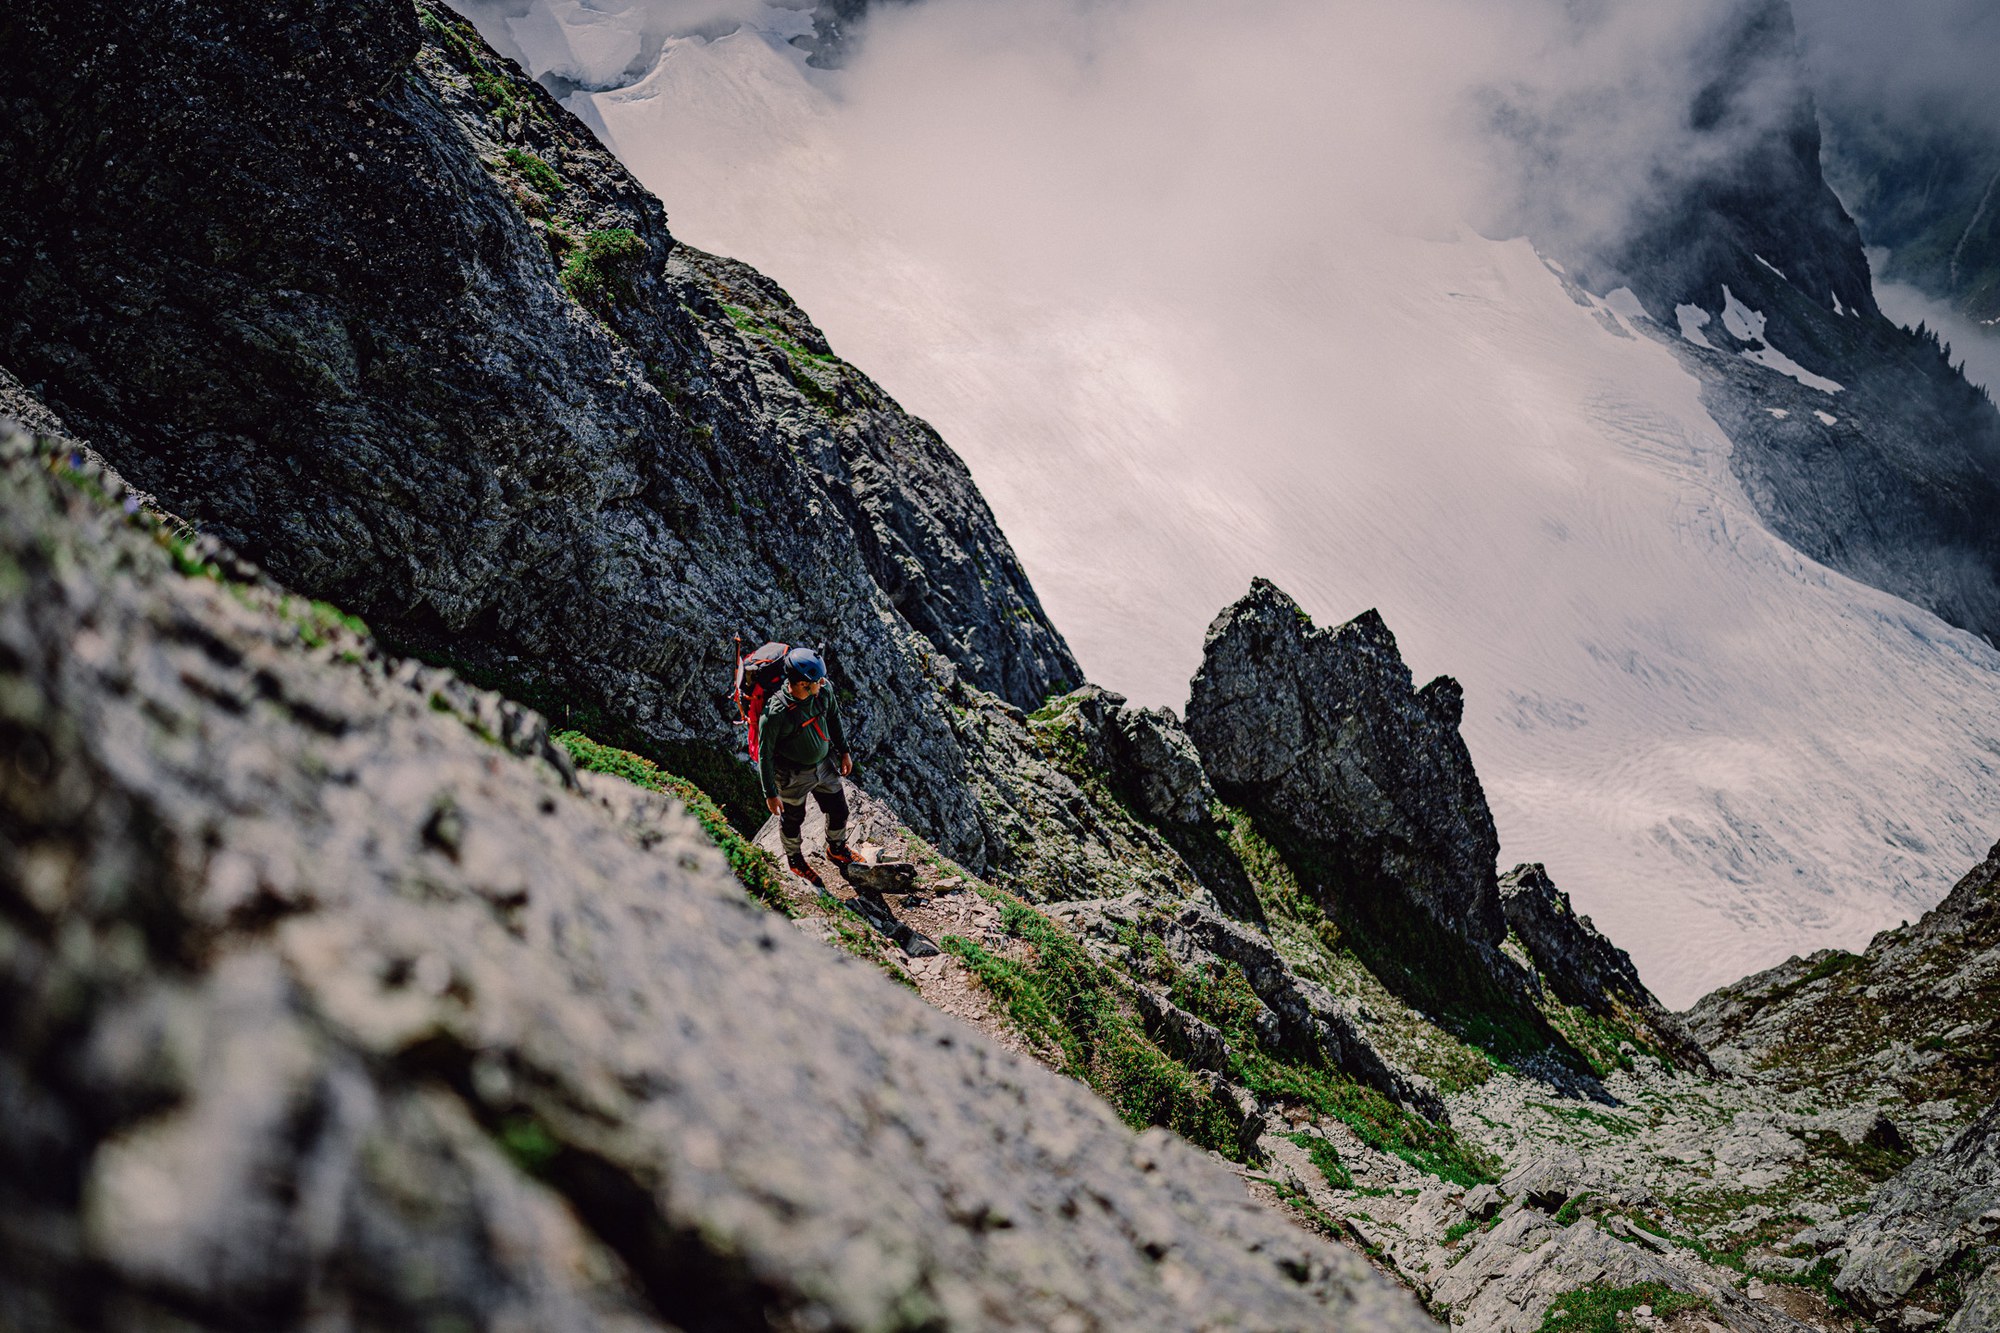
801, 749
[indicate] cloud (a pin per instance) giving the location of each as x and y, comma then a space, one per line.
1627, 110
1559, 118
1906, 58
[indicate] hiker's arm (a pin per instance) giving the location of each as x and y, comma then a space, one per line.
836, 733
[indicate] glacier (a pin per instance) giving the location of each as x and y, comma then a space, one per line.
1176, 357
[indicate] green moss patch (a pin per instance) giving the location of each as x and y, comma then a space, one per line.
319, 623
539, 175
1375, 1120
756, 869
1572, 1210
1601, 1309
599, 272
1327, 1160
528, 1143
1459, 1230
1081, 1013
771, 333
803, 367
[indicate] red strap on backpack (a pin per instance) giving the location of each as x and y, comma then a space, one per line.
756, 718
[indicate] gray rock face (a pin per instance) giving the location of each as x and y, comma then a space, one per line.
1582, 966
331, 1004
353, 294
1163, 767
1323, 732
1940, 1217
1145, 754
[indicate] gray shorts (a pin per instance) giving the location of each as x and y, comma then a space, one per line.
794, 784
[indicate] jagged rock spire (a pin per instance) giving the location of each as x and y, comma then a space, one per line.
1323, 732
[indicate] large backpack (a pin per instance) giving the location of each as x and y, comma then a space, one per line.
756, 676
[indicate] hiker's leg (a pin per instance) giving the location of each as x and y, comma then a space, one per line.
832, 798
793, 784
791, 824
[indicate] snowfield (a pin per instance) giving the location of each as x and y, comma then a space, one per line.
1168, 383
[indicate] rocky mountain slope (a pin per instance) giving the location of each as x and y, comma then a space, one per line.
340, 1000
1925, 1246
348, 994
1518, 1133
375, 1034
1873, 1022
357, 296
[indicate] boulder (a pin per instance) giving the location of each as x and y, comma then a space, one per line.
1158, 766
1143, 754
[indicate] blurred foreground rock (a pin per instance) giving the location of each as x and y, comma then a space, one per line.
335, 1000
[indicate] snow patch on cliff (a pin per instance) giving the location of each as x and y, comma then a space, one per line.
1747, 325
1693, 319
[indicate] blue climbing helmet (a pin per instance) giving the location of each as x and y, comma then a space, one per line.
804, 664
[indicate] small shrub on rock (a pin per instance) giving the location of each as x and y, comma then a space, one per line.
599, 273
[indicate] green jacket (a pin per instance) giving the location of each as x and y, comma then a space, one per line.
799, 732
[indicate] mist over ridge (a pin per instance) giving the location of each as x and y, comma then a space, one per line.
1204, 296
1912, 114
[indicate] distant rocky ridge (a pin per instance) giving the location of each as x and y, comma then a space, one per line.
1756, 256
1917, 1013
1324, 738
1922, 185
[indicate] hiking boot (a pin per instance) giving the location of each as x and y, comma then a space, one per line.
842, 855
796, 863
